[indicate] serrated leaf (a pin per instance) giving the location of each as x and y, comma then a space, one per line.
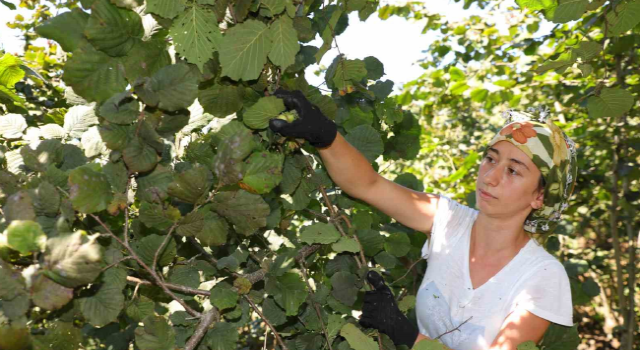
49, 295
73, 260
528, 345
157, 216
192, 185
559, 337
92, 143
26, 236
285, 42
139, 156
397, 244
273, 7
196, 35
258, 115
288, 290
152, 187
79, 119
611, 103
12, 126
273, 312
588, 50
10, 71
139, 308
94, 75
166, 8
344, 287
319, 233
223, 336
327, 34
111, 29
223, 296
171, 88
52, 131
90, 191
115, 136
372, 241
221, 100
145, 59
346, 244
429, 344
347, 72
569, 10
148, 245
407, 303
367, 140
262, 172
246, 211
12, 284
304, 29
624, 18
536, 5
120, 108
104, 306
155, 335
214, 230
19, 206
244, 49
227, 164
356, 339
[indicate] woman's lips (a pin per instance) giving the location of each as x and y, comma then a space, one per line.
486, 195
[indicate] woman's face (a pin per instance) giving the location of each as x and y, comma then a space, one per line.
507, 181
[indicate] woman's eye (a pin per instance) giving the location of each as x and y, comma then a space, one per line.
513, 172
489, 158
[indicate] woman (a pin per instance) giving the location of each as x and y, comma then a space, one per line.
488, 284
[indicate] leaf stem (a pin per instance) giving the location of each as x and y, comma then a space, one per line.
273, 329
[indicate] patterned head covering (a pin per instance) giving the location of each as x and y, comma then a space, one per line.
553, 152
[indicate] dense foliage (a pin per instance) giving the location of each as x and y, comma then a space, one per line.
145, 201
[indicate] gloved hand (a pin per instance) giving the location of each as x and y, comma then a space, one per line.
311, 125
381, 312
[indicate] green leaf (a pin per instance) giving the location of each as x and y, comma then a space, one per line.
104, 306
319, 233
120, 108
115, 136
346, 244
288, 290
153, 186
214, 230
407, 303
397, 244
304, 29
73, 260
139, 156
611, 103
12, 284
569, 10
139, 308
262, 172
221, 100
10, 71
146, 248
273, 312
156, 334
196, 35
26, 236
222, 336
12, 126
89, 191
372, 241
145, 59
285, 42
166, 8
559, 337
624, 18
536, 4
223, 296
456, 74
49, 295
19, 206
258, 115
327, 34
345, 287
244, 50
157, 216
367, 140
113, 30
591, 287
94, 75
171, 88
192, 185
247, 212
588, 50
347, 72
528, 345
356, 339
78, 120
429, 344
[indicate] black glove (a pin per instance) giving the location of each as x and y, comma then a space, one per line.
311, 125
381, 312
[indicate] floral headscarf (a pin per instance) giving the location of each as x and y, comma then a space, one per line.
553, 152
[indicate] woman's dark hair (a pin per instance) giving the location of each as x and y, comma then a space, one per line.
541, 183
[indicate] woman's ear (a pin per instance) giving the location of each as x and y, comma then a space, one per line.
539, 201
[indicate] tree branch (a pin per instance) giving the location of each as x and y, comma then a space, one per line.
207, 319
273, 329
315, 305
176, 287
455, 329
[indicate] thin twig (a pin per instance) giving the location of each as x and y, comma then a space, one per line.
455, 329
273, 329
176, 287
126, 211
303, 266
161, 248
116, 263
207, 319
409, 270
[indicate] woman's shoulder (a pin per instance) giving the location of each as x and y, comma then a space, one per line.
540, 261
451, 212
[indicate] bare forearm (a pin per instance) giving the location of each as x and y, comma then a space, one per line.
347, 167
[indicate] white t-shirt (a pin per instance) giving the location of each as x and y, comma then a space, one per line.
533, 280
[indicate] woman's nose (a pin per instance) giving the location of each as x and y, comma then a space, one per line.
492, 176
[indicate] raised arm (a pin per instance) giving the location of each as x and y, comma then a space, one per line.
350, 170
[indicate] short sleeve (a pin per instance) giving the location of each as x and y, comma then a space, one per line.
450, 219
546, 293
